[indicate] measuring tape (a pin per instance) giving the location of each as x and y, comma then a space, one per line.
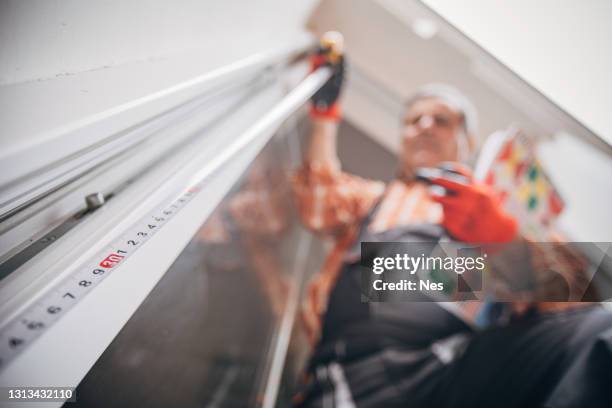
23, 330
29, 325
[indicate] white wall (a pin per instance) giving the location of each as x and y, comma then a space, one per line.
65, 62
562, 47
42, 39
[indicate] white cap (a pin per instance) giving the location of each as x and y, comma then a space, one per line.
455, 99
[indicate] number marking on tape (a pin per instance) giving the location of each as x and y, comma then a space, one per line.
21, 331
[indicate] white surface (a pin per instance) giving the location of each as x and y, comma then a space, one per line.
42, 39
64, 64
36, 220
53, 157
63, 355
561, 47
582, 175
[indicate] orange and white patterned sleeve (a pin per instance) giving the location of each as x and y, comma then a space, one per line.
330, 201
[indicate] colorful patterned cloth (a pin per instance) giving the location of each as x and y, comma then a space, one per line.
525, 189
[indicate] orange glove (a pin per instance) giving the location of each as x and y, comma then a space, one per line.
473, 212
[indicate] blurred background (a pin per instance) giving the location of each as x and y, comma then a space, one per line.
220, 327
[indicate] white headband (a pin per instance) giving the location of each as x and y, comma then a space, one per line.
454, 99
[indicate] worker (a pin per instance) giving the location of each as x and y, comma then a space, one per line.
419, 353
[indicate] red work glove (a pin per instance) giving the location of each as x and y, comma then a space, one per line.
325, 100
473, 212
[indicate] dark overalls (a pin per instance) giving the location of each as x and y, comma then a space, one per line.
419, 354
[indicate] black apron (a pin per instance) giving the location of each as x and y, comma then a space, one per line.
390, 352
385, 348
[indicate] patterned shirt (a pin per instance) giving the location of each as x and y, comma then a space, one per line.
333, 203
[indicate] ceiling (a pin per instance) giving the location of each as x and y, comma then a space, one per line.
392, 51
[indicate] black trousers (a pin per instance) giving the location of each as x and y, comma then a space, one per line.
561, 359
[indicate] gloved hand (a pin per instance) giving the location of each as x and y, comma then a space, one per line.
325, 100
473, 212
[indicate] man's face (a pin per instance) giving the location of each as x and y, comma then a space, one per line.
430, 135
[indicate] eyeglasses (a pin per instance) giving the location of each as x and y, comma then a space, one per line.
425, 120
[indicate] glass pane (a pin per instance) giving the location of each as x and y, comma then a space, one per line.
207, 333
